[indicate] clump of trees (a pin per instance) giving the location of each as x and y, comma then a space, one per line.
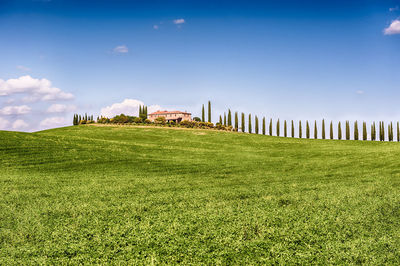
82, 119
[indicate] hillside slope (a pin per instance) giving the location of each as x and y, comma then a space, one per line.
159, 195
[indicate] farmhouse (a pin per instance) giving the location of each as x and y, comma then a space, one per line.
176, 116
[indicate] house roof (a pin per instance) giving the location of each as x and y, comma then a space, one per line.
168, 112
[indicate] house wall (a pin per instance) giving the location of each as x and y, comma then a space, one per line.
171, 116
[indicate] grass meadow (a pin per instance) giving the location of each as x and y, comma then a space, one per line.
91, 194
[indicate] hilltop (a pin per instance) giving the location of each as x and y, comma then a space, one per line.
157, 195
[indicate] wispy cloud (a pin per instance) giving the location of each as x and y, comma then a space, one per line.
394, 28
23, 68
394, 8
179, 21
127, 107
156, 27
121, 49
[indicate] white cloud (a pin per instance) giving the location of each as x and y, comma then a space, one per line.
19, 124
121, 49
23, 68
394, 8
127, 107
15, 110
38, 89
3, 123
61, 108
155, 27
394, 28
360, 92
178, 21
57, 121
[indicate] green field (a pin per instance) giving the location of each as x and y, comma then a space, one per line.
110, 194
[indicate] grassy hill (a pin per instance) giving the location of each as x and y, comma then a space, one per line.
159, 195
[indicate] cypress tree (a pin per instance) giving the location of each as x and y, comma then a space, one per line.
243, 123
224, 119
383, 131
220, 120
347, 130
277, 128
203, 117
365, 131
140, 110
307, 130
300, 130
398, 132
292, 129
229, 117
331, 131
146, 112
315, 130
356, 130
80, 119
209, 111
323, 128
256, 124
250, 123
74, 120
263, 125
270, 127
236, 121
373, 131
339, 131
391, 131
284, 129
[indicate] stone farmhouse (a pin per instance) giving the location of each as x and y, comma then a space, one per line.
176, 116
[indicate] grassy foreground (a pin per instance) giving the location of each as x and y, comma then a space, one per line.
90, 194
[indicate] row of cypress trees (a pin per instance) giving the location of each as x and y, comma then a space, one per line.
347, 134
82, 119
203, 114
143, 112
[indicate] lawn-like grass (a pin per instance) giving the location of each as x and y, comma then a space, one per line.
90, 194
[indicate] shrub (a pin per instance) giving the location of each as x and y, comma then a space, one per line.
197, 119
160, 120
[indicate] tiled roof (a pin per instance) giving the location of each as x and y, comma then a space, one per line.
168, 112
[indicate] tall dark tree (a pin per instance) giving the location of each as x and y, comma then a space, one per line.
323, 129
236, 121
398, 132
277, 128
263, 126
146, 112
220, 120
331, 131
140, 110
203, 116
373, 131
347, 130
79, 119
284, 129
243, 123
391, 131
356, 130
249, 123
383, 131
339, 131
365, 134
307, 130
315, 130
209, 111
256, 121
270, 127
229, 117
300, 130
74, 120
224, 119
292, 129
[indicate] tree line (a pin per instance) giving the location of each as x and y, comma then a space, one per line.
376, 134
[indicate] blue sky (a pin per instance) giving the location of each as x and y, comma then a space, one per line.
279, 59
